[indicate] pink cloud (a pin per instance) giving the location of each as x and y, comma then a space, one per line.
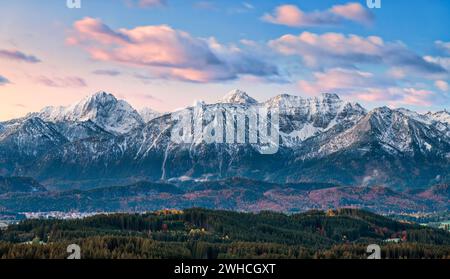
288, 15
166, 52
398, 96
442, 85
337, 80
364, 86
88, 28
339, 50
354, 12
291, 15
62, 82
331, 44
418, 97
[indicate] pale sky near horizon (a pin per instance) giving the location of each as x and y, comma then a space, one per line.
167, 54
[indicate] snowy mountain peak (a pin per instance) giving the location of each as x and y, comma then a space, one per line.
330, 96
441, 116
103, 109
31, 133
384, 117
304, 118
100, 98
381, 111
415, 116
324, 104
237, 96
148, 114
89, 106
401, 130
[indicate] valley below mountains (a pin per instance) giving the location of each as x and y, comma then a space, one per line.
230, 194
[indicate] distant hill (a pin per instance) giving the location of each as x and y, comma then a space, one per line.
20, 184
230, 194
439, 192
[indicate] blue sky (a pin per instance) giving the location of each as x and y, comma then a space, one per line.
167, 54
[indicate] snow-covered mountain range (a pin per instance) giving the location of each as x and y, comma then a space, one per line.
102, 140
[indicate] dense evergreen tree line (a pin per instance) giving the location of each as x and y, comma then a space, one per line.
201, 233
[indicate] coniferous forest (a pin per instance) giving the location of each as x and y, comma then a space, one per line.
210, 234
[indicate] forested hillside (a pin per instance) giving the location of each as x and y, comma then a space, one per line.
200, 233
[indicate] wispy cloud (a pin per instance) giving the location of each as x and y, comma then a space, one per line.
17, 55
291, 15
248, 5
167, 53
152, 98
444, 62
445, 46
3, 80
146, 3
442, 85
61, 82
243, 7
205, 5
112, 73
151, 3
